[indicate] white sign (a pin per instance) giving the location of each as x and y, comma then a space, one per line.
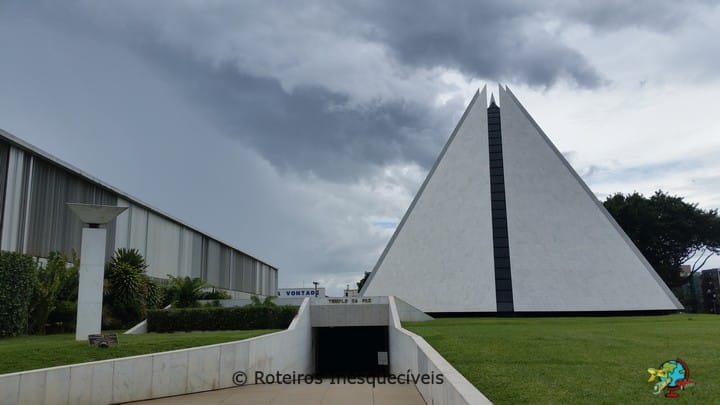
358, 300
382, 358
300, 292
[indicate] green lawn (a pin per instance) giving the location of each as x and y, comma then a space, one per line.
32, 352
590, 360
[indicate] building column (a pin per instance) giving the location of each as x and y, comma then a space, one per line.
90, 291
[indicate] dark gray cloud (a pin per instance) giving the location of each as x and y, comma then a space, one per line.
507, 40
499, 40
310, 130
660, 16
334, 90
313, 130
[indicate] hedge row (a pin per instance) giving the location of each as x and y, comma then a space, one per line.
220, 318
16, 286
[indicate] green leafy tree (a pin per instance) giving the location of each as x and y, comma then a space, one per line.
49, 282
185, 291
668, 231
69, 286
362, 281
63, 316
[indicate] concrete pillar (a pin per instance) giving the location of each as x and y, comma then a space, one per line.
90, 291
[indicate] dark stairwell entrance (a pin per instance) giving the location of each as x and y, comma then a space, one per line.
351, 351
350, 336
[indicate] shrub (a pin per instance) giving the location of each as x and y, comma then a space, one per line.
214, 294
213, 303
184, 292
16, 282
69, 286
214, 318
49, 282
62, 319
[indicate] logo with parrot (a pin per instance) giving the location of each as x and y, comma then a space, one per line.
670, 377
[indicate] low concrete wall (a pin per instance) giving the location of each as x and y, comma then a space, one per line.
138, 329
408, 313
164, 374
411, 353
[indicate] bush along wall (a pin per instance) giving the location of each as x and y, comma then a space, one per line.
17, 272
220, 318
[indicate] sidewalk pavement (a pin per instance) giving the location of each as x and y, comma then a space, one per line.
326, 393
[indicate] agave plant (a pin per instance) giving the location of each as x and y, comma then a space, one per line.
154, 295
128, 290
130, 257
127, 283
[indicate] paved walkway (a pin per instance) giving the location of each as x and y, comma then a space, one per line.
302, 394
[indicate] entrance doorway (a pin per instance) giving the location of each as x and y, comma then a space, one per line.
351, 351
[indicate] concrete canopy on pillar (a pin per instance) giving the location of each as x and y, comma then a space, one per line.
95, 214
92, 265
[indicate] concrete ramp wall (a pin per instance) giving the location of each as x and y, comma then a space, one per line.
164, 374
409, 353
212, 367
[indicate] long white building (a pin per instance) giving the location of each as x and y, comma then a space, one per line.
34, 187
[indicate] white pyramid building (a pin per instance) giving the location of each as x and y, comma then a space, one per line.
503, 223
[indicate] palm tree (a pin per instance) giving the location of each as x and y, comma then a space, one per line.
185, 291
269, 301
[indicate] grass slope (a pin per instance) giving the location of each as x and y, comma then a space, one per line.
32, 352
591, 360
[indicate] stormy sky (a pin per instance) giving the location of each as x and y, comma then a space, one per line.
300, 131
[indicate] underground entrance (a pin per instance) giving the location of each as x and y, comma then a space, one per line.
351, 351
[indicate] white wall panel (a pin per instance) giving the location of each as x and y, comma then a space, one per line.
212, 271
14, 204
186, 253
138, 228
163, 244
266, 281
257, 272
199, 250
26, 204
122, 226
